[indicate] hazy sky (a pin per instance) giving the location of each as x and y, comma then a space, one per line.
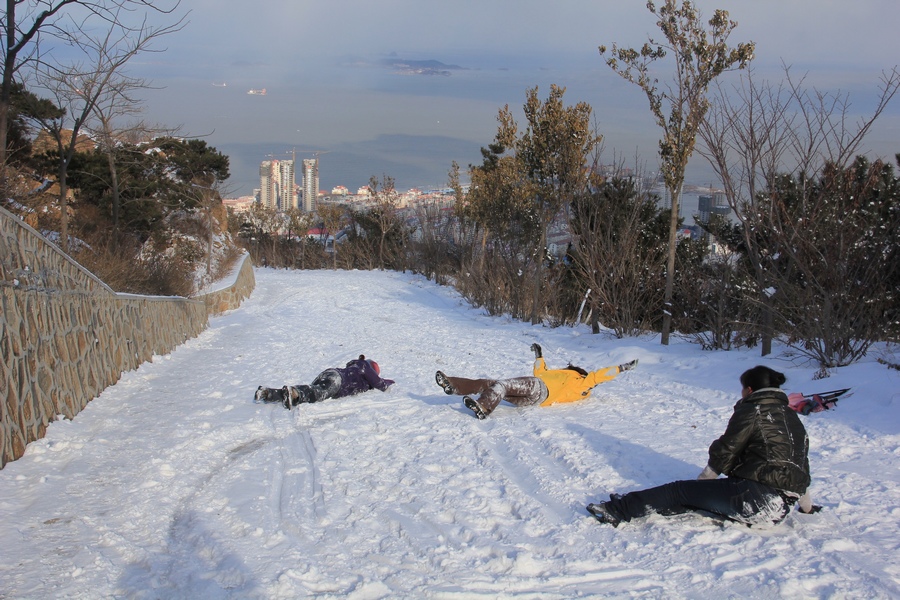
302, 51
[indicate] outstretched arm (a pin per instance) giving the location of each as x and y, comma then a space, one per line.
373, 379
539, 365
601, 376
609, 373
628, 366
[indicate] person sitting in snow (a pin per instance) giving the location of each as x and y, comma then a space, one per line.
544, 388
763, 452
357, 376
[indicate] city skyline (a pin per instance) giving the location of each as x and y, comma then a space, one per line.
328, 89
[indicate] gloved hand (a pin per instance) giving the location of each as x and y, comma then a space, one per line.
536, 348
813, 510
628, 366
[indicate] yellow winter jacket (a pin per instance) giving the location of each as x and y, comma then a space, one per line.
566, 385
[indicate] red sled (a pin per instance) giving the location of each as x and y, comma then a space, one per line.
810, 403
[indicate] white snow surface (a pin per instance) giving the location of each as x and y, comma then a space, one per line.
173, 483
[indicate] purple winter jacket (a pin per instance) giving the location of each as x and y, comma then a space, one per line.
359, 376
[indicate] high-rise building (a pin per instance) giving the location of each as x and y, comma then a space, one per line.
276, 182
707, 206
287, 195
267, 195
310, 184
714, 204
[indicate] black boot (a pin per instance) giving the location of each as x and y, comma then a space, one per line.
445, 384
264, 394
602, 513
473, 405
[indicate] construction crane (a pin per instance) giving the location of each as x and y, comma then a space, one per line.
291, 154
316, 153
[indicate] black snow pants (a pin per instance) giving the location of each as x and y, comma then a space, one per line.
326, 385
732, 498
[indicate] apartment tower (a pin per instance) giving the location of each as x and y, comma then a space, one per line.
310, 184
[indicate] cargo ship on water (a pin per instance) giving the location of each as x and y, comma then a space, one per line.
259, 92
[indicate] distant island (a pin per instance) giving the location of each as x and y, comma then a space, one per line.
419, 67
402, 66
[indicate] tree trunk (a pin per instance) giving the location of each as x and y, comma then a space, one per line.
670, 269
538, 276
4, 117
114, 180
768, 327
209, 234
63, 209
595, 320
8, 70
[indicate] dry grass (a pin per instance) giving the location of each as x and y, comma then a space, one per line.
118, 265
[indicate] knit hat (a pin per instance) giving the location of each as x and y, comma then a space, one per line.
374, 365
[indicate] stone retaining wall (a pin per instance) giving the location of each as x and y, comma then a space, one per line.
65, 335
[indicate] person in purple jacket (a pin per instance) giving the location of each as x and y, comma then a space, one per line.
357, 376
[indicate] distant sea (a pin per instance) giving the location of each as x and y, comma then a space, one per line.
370, 120
374, 122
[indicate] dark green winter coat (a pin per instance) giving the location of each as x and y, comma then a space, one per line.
765, 442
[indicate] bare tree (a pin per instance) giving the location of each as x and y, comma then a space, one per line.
834, 279
757, 131
430, 242
745, 138
823, 131
26, 23
299, 223
699, 56
462, 230
334, 218
260, 226
114, 126
619, 254
385, 217
714, 291
209, 199
79, 87
499, 225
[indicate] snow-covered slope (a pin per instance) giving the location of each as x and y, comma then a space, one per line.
174, 484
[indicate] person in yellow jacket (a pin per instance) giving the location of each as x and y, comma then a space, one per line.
547, 386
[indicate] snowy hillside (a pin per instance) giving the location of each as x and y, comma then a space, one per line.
174, 484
